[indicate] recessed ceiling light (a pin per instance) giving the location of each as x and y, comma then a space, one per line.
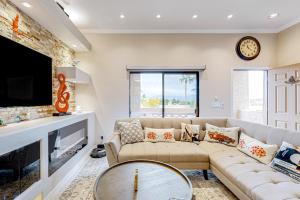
74, 45
26, 4
273, 15
122, 16
230, 16
195, 16
158, 16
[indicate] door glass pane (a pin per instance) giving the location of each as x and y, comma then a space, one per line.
180, 94
146, 95
249, 96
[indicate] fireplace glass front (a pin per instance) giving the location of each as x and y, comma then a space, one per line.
19, 169
64, 143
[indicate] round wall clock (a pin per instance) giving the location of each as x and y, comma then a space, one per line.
248, 48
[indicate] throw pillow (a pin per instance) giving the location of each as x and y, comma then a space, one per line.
228, 136
287, 160
190, 132
257, 149
159, 135
131, 132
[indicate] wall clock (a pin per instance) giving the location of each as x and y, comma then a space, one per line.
248, 48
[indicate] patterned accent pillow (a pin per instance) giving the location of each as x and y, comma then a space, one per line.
257, 149
287, 160
190, 132
159, 135
131, 132
228, 136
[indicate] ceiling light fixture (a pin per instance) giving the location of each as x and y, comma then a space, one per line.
195, 16
74, 45
230, 16
158, 16
273, 15
122, 16
26, 4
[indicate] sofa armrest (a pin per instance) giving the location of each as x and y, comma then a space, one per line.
113, 147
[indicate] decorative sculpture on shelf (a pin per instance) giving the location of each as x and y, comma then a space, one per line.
62, 101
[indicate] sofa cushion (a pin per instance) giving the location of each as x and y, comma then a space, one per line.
266, 134
164, 152
277, 191
253, 178
221, 122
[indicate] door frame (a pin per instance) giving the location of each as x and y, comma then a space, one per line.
266, 92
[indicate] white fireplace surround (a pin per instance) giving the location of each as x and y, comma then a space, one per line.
17, 135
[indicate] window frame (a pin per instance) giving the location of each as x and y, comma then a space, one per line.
163, 87
266, 90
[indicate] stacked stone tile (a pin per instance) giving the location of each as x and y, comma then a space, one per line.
34, 36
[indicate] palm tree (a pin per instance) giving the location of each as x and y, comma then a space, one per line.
186, 79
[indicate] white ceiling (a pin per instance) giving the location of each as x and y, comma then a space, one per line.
176, 15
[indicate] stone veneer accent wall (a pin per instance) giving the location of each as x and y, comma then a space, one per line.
38, 38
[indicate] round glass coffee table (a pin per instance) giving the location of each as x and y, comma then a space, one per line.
156, 180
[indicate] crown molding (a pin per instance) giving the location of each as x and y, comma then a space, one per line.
288, 25
191, 31
175, 31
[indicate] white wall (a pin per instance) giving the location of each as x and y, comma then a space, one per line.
108, 92
288, 46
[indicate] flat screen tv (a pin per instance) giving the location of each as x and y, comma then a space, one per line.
25, 76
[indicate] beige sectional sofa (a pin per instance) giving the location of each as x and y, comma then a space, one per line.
244, 176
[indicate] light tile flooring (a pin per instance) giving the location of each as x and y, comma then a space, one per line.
81, 187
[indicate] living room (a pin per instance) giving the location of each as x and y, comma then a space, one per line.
173, 99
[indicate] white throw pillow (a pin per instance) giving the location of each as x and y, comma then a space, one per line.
287, 160
159, 135
131, 132
190, 132
228, 136
257, 149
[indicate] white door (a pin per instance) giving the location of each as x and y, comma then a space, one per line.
284, 98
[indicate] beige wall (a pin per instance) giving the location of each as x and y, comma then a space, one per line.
108, 92
288, 49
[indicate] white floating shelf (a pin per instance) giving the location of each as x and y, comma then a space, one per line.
73, 74
52, 17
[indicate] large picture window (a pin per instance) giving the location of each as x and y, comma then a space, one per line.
249, 95
164, 94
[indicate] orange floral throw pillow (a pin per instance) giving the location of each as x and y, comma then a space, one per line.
159, 135
257, 149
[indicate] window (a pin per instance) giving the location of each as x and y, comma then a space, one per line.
164, 94
250, 95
